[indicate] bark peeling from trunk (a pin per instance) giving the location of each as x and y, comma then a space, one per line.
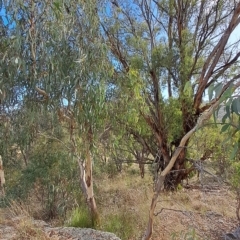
86, 181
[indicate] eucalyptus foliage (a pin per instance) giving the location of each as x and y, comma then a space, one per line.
168, 58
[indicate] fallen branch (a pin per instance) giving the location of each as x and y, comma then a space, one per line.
43, 93
170, 209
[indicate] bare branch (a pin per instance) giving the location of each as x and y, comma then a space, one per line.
214, 57
42, 92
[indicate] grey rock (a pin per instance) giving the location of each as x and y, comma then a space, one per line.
9, 231
80, 233
233, 235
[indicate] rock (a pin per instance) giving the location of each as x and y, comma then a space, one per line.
35, 229
79, 234
233, 235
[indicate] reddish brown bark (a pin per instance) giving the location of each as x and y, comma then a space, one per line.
160, 182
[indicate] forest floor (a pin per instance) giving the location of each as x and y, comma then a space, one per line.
24, 227
200, 211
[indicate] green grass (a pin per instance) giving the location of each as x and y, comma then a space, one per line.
80, 217
122, 224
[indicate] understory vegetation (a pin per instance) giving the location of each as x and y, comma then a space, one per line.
48, 189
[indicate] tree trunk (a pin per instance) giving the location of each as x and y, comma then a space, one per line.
161, 180
86, 181
238, 205
179, 172
2, 178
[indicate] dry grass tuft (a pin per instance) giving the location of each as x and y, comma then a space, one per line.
26, 229
124, 201
23, 227
186, 214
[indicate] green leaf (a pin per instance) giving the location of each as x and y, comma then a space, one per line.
227, 94
224, 128
235, 107
218, 88
224, 118
238, 104
234, 151
210, 92
228, 111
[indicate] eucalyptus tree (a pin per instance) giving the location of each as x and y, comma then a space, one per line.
57, 60
174, 62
